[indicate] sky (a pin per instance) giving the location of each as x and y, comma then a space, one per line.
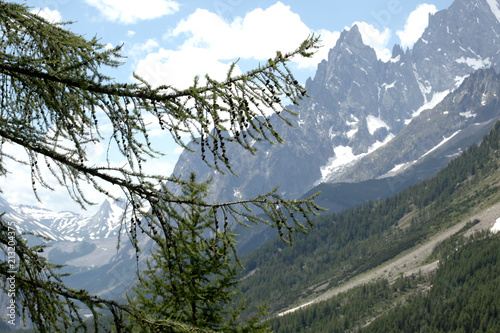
170, 42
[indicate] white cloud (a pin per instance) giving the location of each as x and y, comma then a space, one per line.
378, 40
141, 49
178, 150
48, 14
178, 68
17, 186
212, 44
258, 35
131, 11
415, 25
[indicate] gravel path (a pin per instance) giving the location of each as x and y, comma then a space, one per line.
411, 261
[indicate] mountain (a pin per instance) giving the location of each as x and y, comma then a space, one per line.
66, 226
458, 297
84, 244
371, 129
361, 103
472, 107
399, 236
463, 117
394, 122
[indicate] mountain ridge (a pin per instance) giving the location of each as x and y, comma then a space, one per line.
66, 226
360, 103
345, 245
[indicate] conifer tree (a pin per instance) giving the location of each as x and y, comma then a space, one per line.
53, 91
193, 271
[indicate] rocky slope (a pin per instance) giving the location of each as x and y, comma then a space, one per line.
360, 104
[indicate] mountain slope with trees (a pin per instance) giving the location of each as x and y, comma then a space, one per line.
351, 242
458, 297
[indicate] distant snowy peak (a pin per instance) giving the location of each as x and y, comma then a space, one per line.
66, 225
107, 221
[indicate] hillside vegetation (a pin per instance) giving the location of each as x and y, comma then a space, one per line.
459, 297
356, 240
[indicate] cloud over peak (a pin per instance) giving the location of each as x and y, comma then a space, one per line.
50, 15
415, 25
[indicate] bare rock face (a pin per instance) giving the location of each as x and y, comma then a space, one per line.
360, 104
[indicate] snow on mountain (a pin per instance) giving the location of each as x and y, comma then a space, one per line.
66, 226
361, 103
436, 99
107, 221
374, 123
462, 118
494, 8
344, 158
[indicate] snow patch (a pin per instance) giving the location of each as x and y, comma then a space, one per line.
352, 123
459, 80
351, 133
389, 86
398, 167
441, 143
496, 226
474, 63
345, 157
394, 60
403, 166
468, 114
494, 8
237, 194
374, 123
436, 99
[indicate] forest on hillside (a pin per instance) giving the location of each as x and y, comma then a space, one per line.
360, 238
460, 297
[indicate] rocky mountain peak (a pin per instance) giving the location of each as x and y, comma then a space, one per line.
360, 103
397, 51
104, 211
352, 37
451, 44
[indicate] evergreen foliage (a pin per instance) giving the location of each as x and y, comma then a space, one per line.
53, 101
191, 276
350, 310
463, 297
459, 297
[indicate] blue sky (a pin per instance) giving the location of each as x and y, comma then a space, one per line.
169, 42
